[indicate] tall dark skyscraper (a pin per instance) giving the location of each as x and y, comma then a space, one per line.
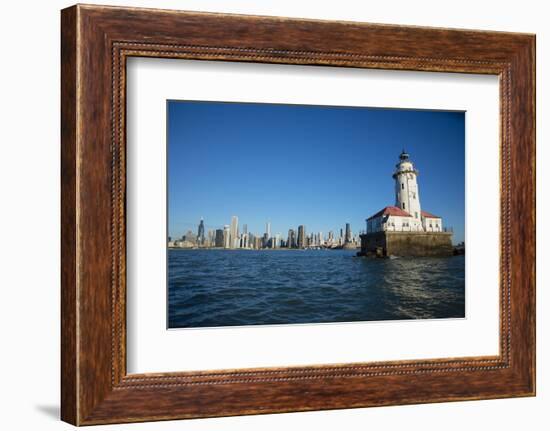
348, 233
302, 242
219, 238
200, 233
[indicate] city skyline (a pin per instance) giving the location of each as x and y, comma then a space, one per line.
195, 226
230, 236
313, 165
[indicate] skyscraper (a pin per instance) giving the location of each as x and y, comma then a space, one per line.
244, 240
251, 240
348, 233
234, 232
291, 243
226, 237
218, 242
302, 243
200, 233
257, 242
268, 229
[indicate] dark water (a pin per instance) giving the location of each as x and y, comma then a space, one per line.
241, 287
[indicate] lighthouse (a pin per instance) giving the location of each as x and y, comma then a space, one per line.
406, 190
406, 186
405, 229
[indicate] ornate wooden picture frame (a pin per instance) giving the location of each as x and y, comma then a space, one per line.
96, 41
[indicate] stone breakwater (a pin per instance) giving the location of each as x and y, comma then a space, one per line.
417, 244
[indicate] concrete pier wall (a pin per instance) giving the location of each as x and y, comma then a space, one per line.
390, 243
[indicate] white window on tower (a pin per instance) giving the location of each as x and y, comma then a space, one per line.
415, 215
402, 186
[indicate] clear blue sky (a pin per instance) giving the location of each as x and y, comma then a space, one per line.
313, 165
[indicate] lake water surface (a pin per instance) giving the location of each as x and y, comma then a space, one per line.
209, 288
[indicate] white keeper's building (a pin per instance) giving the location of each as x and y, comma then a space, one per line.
407, 214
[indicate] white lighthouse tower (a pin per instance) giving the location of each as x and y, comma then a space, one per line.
405, 229
406, 190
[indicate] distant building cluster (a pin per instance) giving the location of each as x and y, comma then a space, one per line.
231, 237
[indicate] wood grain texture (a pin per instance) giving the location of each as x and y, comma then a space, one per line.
96, 41
69, 366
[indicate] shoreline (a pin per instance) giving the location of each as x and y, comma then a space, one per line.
260, 249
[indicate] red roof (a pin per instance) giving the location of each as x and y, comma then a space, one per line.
394, 211
428, 215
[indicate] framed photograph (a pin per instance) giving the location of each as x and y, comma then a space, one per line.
268, 248
267, 215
